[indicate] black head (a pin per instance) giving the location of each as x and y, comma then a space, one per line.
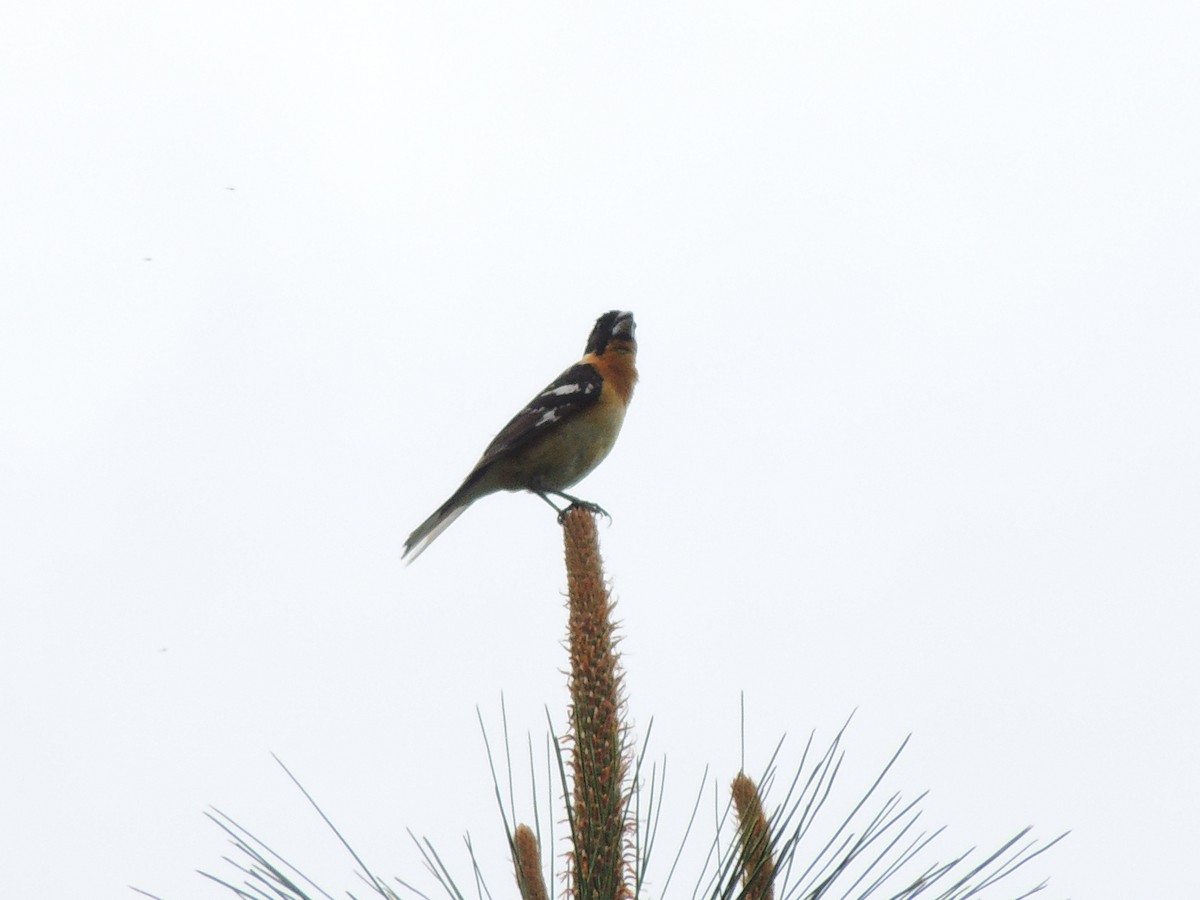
614, 325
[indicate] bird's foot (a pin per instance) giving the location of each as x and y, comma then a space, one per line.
594, 508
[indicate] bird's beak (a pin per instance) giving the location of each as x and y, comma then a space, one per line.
623, 327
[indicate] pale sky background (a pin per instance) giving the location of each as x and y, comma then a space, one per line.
918, 295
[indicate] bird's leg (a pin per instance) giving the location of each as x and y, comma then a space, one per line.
561, 512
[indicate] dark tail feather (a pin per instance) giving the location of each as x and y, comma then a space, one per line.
428, 530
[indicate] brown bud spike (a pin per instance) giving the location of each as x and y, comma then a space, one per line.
527, 861
598, 754
754, 838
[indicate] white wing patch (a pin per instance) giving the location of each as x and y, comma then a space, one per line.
549, 416
565, 390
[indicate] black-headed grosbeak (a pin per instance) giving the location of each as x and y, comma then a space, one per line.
557, 439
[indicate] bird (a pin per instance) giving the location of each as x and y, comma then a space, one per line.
560, 436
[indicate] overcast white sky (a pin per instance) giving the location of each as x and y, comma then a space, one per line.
918, 293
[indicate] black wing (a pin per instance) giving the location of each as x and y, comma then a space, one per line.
574, 390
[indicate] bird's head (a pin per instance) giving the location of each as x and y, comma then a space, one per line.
612, 331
